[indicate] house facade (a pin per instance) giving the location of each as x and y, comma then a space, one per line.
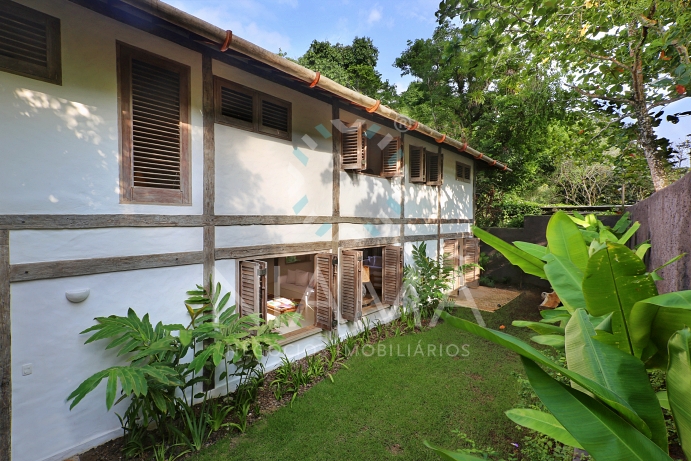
140, 156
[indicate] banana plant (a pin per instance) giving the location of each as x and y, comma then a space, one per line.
613, 325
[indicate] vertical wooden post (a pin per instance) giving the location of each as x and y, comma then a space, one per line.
209, 167
403, 163
5, 349
441, 175
336, 194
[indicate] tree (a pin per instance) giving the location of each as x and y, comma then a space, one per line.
628, 58
352, 65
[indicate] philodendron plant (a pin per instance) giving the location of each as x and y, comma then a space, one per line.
613, 326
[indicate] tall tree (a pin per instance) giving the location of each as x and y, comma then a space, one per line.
629, 58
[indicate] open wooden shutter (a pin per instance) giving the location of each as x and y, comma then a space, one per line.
252, 295
392, 159
351, 284
354, 147
452, 259
417, 164
435, 169
324, 290
471, 255
392, 274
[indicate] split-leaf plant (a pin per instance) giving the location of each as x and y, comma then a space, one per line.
157, 376
427, 280
613, 326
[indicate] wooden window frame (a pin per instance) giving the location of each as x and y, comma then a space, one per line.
129, 193
464, 167
257, 98
422, 179
394, 148
439, 158
52, 73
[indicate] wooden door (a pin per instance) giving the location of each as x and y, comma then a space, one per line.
471, 255
324, 290
452, 259
392, 274
351, 284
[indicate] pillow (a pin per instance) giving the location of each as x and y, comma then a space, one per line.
302, 278
291, 276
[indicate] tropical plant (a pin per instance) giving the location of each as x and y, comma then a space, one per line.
613, 325
430, 278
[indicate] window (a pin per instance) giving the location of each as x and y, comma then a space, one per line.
242, 107
463, 172
29, 43
417, 164
154, 108
373, 154
435, 169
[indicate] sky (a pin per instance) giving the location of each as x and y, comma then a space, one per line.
291, 25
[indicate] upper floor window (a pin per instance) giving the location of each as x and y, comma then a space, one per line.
29, 43
242, 107
155, 123
370, 153
426, 167
463, 172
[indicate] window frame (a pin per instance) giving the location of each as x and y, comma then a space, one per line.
439, 158
52, 73
257, 98
129, 193
422, 179
465, 167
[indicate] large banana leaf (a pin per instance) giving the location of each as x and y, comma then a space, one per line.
539, 327
564, 240
614, 281
622, 373
516, 345
544, 423
538, 251
448, 455
566, 280
655, 320
679, 385
527, 262
599, 430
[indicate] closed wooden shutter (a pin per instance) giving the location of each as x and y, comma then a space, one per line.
462, 172
29, 43
324, 290
435, 169
350, 265
392, 274
392, 159
155, 95
417, 164
354, 147
235, 104
275, 117
452, 259
471, 255
252, 288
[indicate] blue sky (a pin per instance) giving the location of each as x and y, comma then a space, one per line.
291, 25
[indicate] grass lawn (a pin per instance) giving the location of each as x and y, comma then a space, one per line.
385, 407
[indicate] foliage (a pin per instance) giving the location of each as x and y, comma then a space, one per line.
430, 278
614, 326
505, 212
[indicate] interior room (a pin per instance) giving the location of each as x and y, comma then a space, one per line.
371, 277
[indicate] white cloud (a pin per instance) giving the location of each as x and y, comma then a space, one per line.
374, 16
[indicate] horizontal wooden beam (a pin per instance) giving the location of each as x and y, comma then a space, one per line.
271, 250
77, 267
369, 242
456, 235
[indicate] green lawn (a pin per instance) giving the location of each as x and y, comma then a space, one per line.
385, 407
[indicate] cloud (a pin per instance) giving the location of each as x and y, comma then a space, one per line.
374, 16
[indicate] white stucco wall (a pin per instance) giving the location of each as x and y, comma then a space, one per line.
236, 236
420, 199
45, 334
456, 195
367, 231
260, 174
60, 143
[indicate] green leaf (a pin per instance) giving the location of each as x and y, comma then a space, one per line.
642, 250
671, 261
629, 233
527, 262
599, 430
564, 240
663, 399
185, 337
556, 341
538, 251
111, 388
449, 455
679, 386
614, 281
566, 280
537, 327
544, 423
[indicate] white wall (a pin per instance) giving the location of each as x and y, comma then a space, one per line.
420, 199
456, 195
60, 143
367, 231
45, 333
235, 236
260, 174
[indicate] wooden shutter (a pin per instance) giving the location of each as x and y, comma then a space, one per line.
453, 259
252, 288
275, 117
417, 164
155, 101
324, 290
350, 264
29, 43
435, 169
354, 147
462, 172
392, 274
235, 105
392, 159
471, 255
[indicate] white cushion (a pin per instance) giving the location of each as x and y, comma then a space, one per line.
302, 278
291, 276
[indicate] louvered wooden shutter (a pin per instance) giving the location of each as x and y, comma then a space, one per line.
417, 164
29, 43
252, 288
324, 290
392, 274
392, 159
466, 173
471, 255
452, 259
435, 170
351, 284
275, 117
235, 104
155, 97
462, 172
354, 147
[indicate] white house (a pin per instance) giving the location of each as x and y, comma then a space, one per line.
143, 149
